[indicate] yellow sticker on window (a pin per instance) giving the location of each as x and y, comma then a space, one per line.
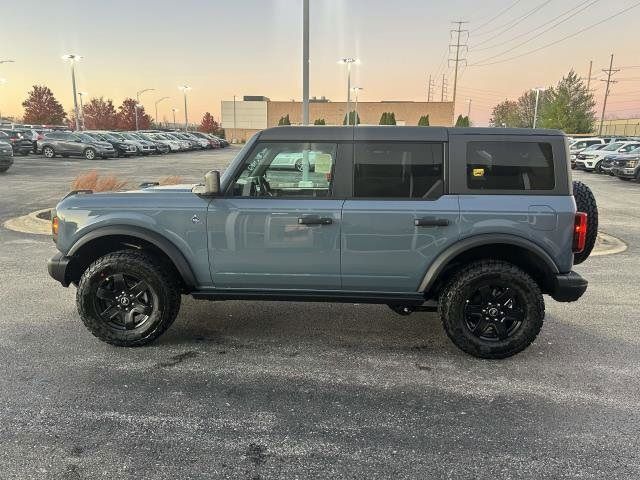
478, 172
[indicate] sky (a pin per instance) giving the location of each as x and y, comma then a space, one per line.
223, 48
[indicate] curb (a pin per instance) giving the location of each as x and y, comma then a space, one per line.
30, 223
607, 245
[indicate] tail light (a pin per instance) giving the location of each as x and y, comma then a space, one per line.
580, 232
54, 227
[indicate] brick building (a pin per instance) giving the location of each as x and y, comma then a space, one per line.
243, 118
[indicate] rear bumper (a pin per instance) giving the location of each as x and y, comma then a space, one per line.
568, 287
58, 265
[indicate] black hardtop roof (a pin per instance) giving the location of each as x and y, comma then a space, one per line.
390, 133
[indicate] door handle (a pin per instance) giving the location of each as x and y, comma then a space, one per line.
431, 222
314, 220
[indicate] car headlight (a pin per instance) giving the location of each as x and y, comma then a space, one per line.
632, 163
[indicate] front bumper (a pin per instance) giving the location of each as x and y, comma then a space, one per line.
624, 172
568, 287
58, 267
6, 160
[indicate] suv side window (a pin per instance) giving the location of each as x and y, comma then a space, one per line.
279, 169
510, 166
398, 170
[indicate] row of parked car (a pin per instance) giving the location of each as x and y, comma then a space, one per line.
616, 156
103, 144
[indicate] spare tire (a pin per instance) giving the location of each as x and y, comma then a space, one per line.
586, 202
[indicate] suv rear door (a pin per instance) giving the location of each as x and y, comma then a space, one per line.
278, 226
399, 216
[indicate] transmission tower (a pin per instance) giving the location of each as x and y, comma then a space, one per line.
610, 71
459, 50
443, 91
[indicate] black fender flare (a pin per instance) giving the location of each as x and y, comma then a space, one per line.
166, 246
441, 261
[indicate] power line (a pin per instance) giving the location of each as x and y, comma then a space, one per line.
570, 14
511, 25
502, 12
555, 42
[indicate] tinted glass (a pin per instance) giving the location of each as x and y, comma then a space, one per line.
398, 170
287, 170
510, 166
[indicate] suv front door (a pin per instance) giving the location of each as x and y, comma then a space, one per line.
398, 218
278, 224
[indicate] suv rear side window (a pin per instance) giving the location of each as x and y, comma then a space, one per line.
398, 170
510, 166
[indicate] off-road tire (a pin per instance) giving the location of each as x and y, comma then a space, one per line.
586, 202
143, 265
460, 287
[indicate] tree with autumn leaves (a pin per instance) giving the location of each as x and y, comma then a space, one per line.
41, 107
208, 124
100, 114
127, 116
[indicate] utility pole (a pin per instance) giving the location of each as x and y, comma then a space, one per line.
589, 76
443, 91
429, 90
457, 59
609, 73
469, 108
305, 62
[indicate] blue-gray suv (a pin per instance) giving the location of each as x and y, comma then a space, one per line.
476, 223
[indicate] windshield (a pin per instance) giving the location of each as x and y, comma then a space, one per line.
612, 147
85, 138
108, 136
117, 136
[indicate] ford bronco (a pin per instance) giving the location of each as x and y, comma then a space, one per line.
475, 223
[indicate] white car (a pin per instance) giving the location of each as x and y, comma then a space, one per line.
592, 160
579, 145
173, 145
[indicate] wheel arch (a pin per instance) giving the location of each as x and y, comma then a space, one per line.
105, 240
517, 250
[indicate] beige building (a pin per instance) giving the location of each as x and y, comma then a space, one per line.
243, 118
621, 127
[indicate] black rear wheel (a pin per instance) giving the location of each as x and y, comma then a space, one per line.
128, 298
492, 309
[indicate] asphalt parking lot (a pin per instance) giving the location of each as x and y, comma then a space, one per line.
277, 390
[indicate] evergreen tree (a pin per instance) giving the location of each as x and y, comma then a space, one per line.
319, 121
284, 120
569, 106
460, 121
354, 118
424, 121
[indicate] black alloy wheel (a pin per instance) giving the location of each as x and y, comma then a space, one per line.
125, 302
493, 312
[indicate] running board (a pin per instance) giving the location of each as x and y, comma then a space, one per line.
338, 296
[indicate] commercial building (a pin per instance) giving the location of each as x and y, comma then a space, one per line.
243, 118
621, 127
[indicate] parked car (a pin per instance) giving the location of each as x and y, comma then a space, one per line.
184, 144
627, 168
173, 144
579, 145
161, 147
6, 153
379, 221
77, 144
591, 148
223, 142
144, 147
610, 160
19, 144
122, 148
592, 161
209, 142
193, 144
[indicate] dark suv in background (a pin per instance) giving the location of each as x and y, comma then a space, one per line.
68, 144
19, 144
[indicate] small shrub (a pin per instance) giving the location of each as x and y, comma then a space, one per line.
171, 180
93, 181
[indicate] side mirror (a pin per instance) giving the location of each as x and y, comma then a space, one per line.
211, 185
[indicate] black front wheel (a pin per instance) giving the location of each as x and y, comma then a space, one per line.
492, 309
128, 298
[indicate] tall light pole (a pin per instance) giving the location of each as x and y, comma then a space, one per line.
156, 105
356, 90
535, 111
73, 58
174, 110
82, 94
138, 93
234, 120
348, 61
305, 62
185, 89
2, 82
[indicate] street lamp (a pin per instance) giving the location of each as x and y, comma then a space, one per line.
535, 113
7, 61
73, 58
185, 89
468, 108
156, 104
82, 94
356, 90
174, 110
138, 93
2, 82
348, 61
